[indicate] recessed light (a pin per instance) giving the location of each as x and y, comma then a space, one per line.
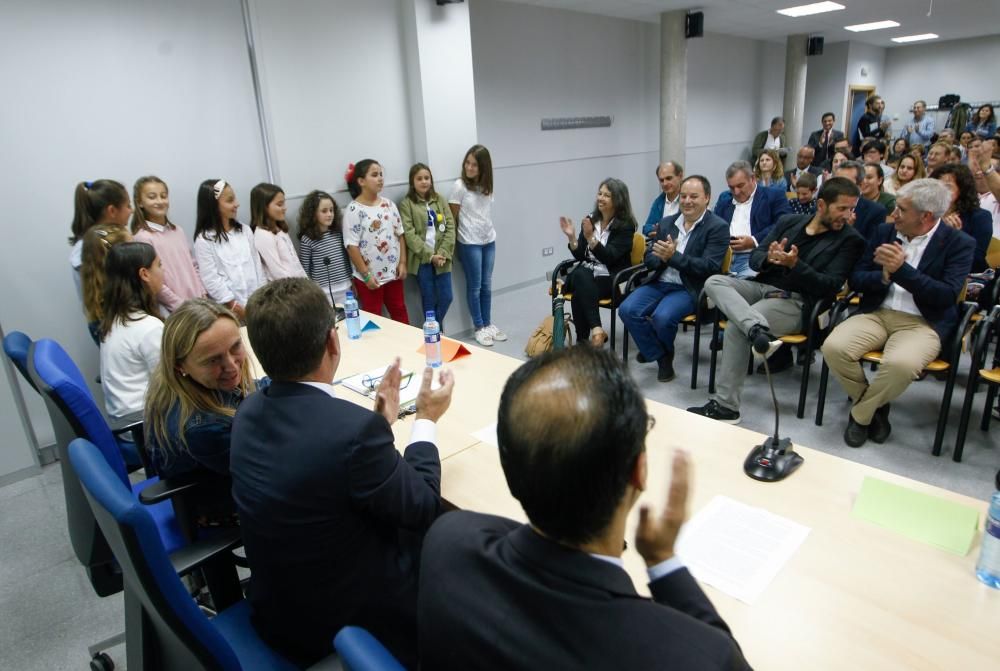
876, 25
814, 8
915, 38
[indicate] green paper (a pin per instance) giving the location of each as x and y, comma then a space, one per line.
929, 519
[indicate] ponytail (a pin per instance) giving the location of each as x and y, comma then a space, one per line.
90, 199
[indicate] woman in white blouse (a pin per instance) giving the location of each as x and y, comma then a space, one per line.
270, 233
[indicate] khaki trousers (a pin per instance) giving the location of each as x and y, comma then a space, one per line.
908, 344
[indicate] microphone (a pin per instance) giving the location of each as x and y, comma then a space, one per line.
775, 458
326, 262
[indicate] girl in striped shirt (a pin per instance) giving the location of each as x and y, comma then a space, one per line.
321, 245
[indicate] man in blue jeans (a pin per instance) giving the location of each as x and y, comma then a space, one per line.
689, 248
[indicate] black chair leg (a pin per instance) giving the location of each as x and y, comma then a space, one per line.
613, 328
824, 377
963, 422
713, 357
991, 396
804, 386
696, 354
949, 388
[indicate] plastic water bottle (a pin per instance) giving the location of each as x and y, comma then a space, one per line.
353, 316
988, 567
432, 339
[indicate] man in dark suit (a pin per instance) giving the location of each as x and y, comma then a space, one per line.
804, 259
803, 165
750, 212
868, 215
910, 279
332, 516
553, 594
689, 247
823, 140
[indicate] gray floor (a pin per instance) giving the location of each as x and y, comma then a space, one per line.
49, 613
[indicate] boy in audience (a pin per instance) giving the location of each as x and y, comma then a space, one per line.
554, 594
332, 515
805, 198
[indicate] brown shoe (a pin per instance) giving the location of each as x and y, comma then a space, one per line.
598, 338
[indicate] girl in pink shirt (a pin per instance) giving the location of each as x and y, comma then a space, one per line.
270, 233
151, 225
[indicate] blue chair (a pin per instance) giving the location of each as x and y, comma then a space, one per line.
165, 629
16, 345
360, 651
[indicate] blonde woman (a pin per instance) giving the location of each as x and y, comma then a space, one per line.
769, 171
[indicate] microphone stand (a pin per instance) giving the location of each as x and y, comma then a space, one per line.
775, 458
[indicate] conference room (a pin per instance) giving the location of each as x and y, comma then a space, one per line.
564, 94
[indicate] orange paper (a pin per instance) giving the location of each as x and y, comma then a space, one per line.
450, 349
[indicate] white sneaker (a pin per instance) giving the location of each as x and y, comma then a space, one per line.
484, 338
497, 334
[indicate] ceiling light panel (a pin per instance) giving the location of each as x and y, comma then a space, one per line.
809, 10
875, 25
915, 38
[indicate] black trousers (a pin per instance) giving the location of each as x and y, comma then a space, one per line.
587, 291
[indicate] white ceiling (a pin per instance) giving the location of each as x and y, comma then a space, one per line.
951, 19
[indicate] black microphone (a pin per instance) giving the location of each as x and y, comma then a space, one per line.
775, 458
327, 262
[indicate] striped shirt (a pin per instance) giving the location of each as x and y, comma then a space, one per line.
325, 260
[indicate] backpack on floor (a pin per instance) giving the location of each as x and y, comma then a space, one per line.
540, 341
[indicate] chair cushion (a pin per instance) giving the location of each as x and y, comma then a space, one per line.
234, 625
991, 375
163, 515
935, 366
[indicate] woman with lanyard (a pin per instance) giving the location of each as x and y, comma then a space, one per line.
603, 247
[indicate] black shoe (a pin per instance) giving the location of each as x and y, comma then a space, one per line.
855, 434
640, 358
763, 342
713, 410
880, 428
665, 368
782, 360
716, 344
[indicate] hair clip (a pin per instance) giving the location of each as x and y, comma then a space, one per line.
87, 185
349, 175
218, 187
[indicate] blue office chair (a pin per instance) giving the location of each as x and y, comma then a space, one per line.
163, 624
16, 345
360, 651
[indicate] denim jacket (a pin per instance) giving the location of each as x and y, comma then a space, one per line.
207, 435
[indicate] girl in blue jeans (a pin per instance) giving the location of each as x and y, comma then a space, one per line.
429, 229
472, 205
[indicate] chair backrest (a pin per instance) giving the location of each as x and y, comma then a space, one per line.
53, 373
993, 253
360, 651
727, 261
638, 248
16, 345
184, 638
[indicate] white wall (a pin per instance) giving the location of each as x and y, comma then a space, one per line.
826, 87
118, 90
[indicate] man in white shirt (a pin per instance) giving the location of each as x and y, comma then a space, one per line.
772, 138
803, 164
910, 278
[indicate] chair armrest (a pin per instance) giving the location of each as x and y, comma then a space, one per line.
126, 423
630, 276
562, 268
194, 555
165, 490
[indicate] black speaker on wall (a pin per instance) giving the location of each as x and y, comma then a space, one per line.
695, 26
815, 46
448, 2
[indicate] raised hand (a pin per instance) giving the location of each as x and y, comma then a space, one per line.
387, 394
655, 537
432, 403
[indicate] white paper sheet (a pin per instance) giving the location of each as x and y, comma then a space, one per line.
409, 384
737, 548
487, 434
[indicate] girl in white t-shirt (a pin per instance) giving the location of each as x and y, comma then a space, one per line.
373, 235
270, 233
131, 328
471, 204
224, 248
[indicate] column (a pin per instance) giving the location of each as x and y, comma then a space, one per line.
673, 86
795, 93
442, 90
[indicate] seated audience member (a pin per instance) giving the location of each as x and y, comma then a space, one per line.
984, 122
956, 155
867, 213
871, 124
769, 171
772, 138
964, 212
131, 326
202, 377
804, 201
690, 248
986, 172
824, 140
843, 145
909, 168
750, 212
920, 128
839, 158
331, 514
669, 174
871, 187
604, 248
917, 151
909, 279
803, 165
804, 259
874, 152
900, 148
553, 594
963, 141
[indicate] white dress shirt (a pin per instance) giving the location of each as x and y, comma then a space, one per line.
423, 431
899, 298
673, 275
664, 568
740, 225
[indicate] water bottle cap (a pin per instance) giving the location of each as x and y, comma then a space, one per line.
350, 294
429, 315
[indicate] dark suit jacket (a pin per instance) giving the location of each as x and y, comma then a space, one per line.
616, 255
935, 283
868, 216
821, 270
823, 152
768, 205
331, 517
757, 146
494, 594
978, 224
701, 258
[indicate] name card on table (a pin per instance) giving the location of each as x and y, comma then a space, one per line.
450, 349
370, 326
